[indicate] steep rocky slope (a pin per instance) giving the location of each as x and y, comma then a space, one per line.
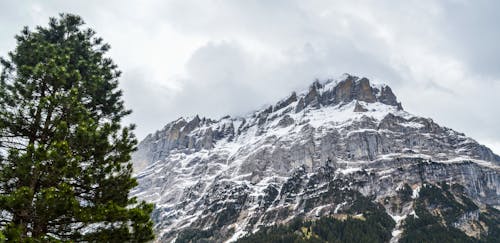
312, 154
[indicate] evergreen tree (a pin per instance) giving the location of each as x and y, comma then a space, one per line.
65, 173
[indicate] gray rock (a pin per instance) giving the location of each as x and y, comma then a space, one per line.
295, 158
359, 108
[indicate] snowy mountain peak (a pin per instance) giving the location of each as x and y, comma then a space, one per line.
228, 177
336, 101
344, 90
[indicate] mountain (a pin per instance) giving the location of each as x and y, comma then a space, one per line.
342, 156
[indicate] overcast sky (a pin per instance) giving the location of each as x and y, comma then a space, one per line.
212, 58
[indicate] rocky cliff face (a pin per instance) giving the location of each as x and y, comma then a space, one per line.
226, 178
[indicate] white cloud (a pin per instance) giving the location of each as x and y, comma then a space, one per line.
218, 57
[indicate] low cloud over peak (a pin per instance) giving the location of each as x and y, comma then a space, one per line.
228, 57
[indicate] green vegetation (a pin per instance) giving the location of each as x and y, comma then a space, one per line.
194, 235
327, 229
426, 228
405, 193
64, 157
437, 209
447, 206
491, 217
373, 226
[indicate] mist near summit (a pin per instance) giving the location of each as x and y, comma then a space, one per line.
181, 58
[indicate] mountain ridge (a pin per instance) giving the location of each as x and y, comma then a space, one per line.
198, 169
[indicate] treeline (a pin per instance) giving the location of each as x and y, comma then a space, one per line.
447, 204
373, 226
428, 227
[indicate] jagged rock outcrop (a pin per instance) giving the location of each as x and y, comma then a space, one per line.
301, 157
359, 108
